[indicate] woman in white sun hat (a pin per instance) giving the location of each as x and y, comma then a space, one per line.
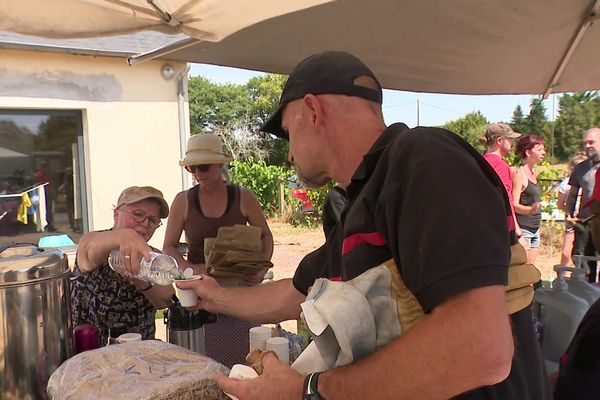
200, 212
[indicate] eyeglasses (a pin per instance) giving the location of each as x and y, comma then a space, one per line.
140, 217
199, 168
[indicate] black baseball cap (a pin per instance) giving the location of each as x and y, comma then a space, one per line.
330, 72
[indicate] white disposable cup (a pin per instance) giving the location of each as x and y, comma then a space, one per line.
281, 347
129, 337
258, 336
187, 297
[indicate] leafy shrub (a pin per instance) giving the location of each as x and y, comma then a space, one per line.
263, 180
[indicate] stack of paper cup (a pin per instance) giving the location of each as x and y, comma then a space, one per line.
258, 337
129, 337
281, 347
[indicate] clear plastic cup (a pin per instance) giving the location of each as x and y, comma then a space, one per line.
281, 347
187, 297
258, 336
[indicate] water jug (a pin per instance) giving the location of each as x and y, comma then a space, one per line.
578, 284
162, 269
186, 327
35, 318
560, 312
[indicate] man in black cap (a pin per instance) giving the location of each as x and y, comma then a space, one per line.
451, 249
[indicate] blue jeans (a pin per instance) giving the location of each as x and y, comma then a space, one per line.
532, 238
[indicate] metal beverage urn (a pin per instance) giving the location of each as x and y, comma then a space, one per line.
185, 327
35, 319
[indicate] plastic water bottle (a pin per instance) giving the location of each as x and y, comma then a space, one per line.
161, 269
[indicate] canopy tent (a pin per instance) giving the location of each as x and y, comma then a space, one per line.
210, 20
8, 153
458, 46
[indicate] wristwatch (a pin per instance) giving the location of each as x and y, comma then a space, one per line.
310, 391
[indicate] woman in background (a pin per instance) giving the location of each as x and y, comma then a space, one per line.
527, 194
200, 212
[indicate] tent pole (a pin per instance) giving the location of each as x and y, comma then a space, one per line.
162, 51
591, 15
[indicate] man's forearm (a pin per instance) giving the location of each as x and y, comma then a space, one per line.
270, 302
462, 346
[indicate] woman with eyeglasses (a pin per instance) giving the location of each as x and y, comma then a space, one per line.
103, 297
200, 212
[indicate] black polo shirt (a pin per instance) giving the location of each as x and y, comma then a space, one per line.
426, 198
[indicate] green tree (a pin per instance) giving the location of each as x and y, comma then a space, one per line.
471, 127
265, 91
57, 133
577, 113
16, 137
212, 104
518, 122
536, 119
236, 113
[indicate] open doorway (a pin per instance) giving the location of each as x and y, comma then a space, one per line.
41, 175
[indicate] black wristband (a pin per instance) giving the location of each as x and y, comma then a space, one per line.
310, 389
150, 286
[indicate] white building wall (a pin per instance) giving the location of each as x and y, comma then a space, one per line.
130, 119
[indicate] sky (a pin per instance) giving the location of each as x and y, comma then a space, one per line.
399, 106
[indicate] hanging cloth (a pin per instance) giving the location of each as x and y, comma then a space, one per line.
22, 209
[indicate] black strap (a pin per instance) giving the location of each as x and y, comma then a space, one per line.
196, 196
310, 390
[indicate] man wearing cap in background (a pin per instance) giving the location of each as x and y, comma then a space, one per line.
498, 140
103, 297
426, 200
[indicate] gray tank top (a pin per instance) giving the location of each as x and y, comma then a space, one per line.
197, 226
532, 194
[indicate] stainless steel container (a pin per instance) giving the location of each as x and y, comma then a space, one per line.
186, 327
191, 339
35, 319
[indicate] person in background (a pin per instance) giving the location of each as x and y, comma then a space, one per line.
200, 212
583, 178
453, 259
526, 193
103, 297
499, 143
68, 189
561, 203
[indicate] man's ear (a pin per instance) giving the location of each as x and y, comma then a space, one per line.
314, 106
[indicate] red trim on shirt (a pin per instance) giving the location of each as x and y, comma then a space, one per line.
353, 241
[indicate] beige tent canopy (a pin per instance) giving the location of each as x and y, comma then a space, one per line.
210, 20
456, 46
